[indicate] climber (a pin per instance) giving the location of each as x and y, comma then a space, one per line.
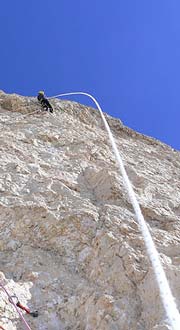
44, 102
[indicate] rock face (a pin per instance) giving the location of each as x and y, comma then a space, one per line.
70, 246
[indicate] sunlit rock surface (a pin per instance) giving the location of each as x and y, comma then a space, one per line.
70, 246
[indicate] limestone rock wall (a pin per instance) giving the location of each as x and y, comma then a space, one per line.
70, 246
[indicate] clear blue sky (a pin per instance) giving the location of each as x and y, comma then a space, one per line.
125, 52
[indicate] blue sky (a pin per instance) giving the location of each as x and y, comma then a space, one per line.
125, 52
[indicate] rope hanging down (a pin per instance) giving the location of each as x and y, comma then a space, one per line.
164, 289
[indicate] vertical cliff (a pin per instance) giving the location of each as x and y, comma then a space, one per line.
70, 246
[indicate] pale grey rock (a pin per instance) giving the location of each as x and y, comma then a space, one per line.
70, 246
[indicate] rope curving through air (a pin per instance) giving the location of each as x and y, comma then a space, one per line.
164, 289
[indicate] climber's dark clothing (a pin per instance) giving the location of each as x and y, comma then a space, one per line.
45, 103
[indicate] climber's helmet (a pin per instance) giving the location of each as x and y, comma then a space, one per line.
41, 92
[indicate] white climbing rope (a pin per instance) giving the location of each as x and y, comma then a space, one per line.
165, 291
